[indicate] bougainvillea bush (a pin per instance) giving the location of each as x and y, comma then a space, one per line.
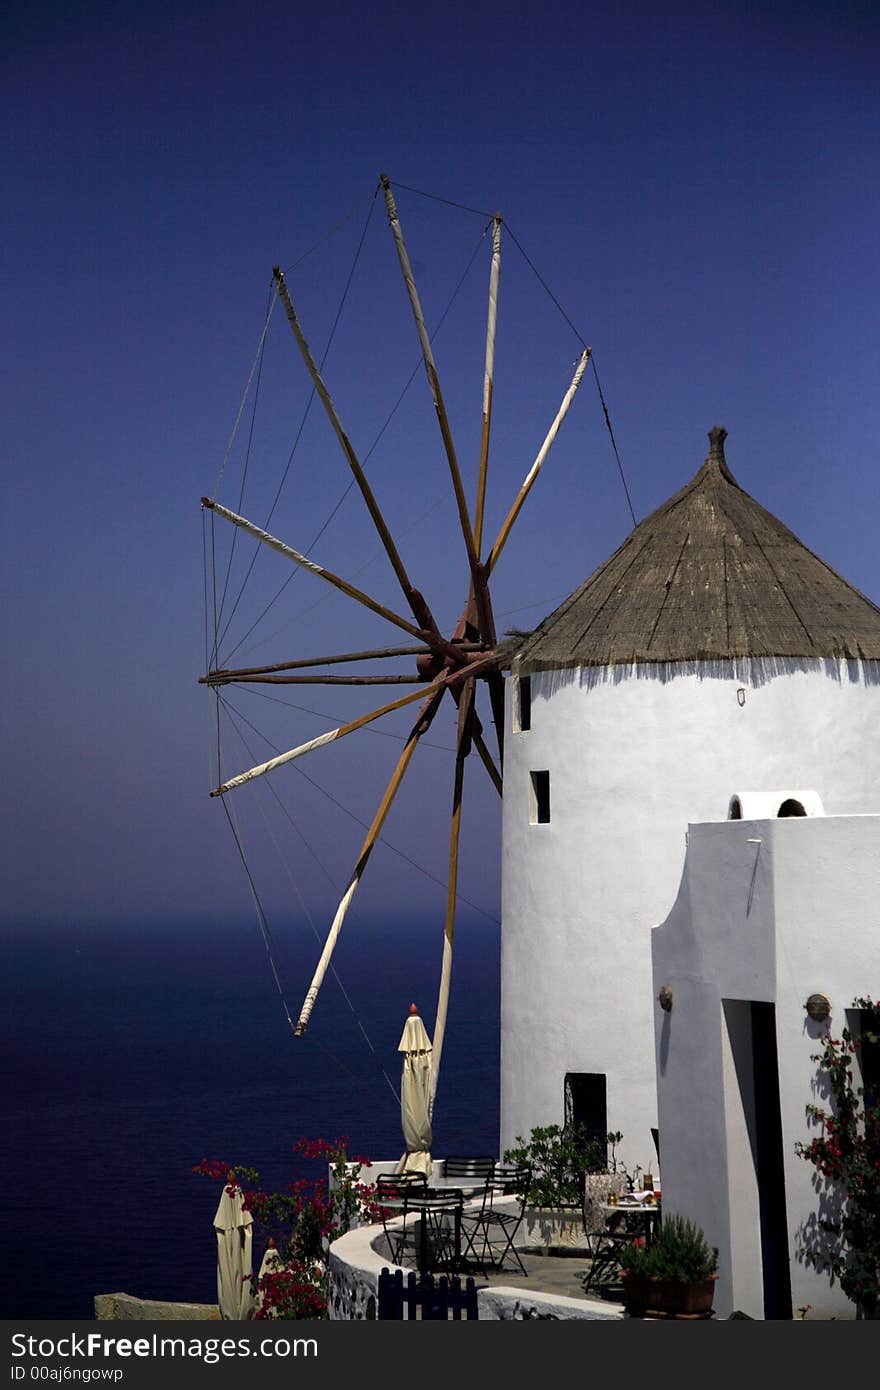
302, 1221
845, 1238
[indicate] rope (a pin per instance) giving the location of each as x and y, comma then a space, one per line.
357, 256
261, 916
509, 612
233, 714
613, 440
347, 490
338, 719
326, 596
302, 425
247, 459
205, 585
478, 212
431, 336
584, 344
217, 703
230, 714
333, 230
270, 949
388, 845
266, 932
381, 840
272, 300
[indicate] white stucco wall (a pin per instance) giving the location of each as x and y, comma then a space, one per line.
772, 911
634, 755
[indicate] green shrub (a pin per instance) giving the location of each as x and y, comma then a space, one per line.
678, 1252
558, 1160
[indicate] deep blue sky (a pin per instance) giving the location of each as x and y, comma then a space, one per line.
697, 184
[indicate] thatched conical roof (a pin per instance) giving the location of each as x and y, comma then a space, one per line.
708, 576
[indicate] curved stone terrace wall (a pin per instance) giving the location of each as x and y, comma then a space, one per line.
354, 1289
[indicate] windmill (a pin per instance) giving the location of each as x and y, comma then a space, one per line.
453, 664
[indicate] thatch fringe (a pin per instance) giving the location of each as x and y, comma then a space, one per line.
751, 672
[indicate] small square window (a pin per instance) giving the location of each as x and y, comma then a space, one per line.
522, 704
539, 798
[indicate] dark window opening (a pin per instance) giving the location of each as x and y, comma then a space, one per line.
586, 1110
540, 798
522, 714
791, 807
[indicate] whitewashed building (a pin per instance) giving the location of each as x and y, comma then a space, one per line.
712, 654
770, 914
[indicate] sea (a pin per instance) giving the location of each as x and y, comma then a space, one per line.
130, 1053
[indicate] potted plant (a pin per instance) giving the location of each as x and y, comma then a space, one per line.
675, 1274
565, 1164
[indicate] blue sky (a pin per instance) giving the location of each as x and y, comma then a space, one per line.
698, 187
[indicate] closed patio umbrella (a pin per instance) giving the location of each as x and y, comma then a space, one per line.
234, 1229
272, 1264
415, 1096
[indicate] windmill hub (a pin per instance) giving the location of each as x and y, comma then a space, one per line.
430, 665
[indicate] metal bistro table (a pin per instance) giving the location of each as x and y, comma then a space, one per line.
632, 1218
622, 1222
438, 1244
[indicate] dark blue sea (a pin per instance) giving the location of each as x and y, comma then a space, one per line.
129, 1054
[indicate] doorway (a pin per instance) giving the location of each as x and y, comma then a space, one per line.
756, 1168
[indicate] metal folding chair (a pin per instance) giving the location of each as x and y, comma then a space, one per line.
489, 1235
469, 1168
397, 1195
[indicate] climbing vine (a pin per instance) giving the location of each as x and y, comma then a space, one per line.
844, 1237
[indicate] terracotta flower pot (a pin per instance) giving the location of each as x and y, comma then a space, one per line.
642, 1294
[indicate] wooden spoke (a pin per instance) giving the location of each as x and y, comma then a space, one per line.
484, 666
342, 584
319, 679
495, 682
465, 718
454, 664
479, 666
415, 600
379, 653
538, 464
320, 742
488, 382
488, 763
422, 724
430, 369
